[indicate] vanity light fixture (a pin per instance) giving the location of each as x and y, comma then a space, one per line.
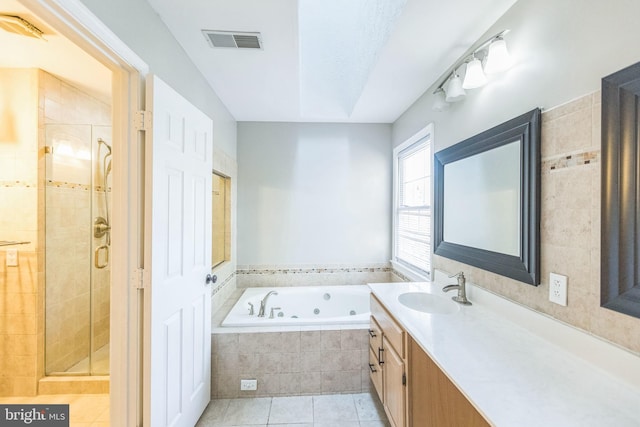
493, 52
498, 58
474, 76
440, 104
455, 91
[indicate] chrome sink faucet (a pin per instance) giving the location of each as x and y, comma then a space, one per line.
263, 303
461, 287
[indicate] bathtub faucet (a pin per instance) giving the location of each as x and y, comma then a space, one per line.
263, 303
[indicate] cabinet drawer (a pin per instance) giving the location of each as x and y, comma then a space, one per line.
390, 329
375, 335
375, 372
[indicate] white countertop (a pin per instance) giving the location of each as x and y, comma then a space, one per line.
515, 377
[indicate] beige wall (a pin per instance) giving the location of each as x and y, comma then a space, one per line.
570, 228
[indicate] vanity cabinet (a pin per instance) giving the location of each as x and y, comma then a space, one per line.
434, 401
388, 363
412, 388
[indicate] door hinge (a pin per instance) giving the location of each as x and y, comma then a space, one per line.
143, 120
404, 379
139, 279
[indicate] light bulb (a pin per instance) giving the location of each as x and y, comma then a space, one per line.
440, 103
454, 90
474, 76
498, 58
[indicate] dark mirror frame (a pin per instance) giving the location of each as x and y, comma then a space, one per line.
526, 267
620, 209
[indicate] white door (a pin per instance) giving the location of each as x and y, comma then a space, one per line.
177, 355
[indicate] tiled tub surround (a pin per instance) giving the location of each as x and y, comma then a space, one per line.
288, 360
290, 363
250, 276
570, 228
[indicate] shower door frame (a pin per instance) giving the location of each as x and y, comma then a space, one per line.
76, 22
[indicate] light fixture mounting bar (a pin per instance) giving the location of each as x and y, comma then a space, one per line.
466, 56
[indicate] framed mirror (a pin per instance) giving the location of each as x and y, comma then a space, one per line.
620, 250
487, 200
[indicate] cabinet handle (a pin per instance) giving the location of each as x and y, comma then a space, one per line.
380, 361
372, 367
372, 333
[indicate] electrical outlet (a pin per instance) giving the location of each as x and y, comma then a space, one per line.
248, 385
558, 289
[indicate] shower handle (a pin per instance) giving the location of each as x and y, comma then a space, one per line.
97, 259
100, 227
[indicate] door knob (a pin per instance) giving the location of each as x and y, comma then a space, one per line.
211, 278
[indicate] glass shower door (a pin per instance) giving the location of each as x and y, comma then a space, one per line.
77, 274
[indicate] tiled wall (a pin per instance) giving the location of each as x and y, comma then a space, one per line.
32, 100
226, 272
68, 276
77, 293
570, 228
21, 333
290, 363
312, 275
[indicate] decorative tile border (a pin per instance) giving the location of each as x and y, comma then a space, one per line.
17, 184
223, 284
400, 276
51, 183
570, 160
316, 270
75, 186
70, 185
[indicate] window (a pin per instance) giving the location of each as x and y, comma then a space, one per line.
412, 210
221, 227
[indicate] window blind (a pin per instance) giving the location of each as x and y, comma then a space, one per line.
413, 210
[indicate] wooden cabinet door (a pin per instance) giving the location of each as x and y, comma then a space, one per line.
376, 373
434, 401
394, 385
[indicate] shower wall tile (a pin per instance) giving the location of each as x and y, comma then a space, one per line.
570, 228
18, 325
77, 302
34, 97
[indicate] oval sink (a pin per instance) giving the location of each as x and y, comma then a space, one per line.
428, 303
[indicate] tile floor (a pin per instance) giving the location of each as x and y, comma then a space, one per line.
85, 410
335, 410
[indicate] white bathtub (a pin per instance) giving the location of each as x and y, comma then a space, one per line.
302, 306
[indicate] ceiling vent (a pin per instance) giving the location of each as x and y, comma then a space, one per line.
233, 39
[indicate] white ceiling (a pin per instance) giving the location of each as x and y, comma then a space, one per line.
328, 60
361, 61
57, 55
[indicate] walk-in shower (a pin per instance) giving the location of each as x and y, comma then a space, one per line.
78, 245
